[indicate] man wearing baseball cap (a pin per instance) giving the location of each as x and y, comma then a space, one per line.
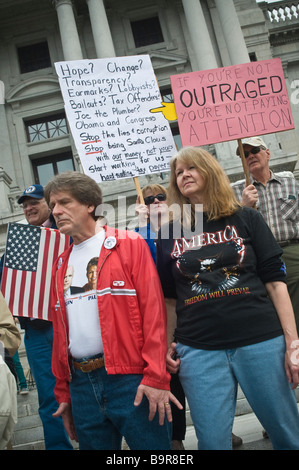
38, 338
35, 191
275, 196
34, 205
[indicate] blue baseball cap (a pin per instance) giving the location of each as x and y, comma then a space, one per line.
36, 191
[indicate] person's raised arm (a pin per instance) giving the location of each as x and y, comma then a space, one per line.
279, 295
249, 196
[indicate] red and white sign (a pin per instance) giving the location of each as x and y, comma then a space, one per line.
231, 103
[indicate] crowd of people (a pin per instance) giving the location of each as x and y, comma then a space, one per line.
201, 298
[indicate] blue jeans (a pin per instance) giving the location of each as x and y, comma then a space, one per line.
103, 411
38, 344
210, 380
19, 371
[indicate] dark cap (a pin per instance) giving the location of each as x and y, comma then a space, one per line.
36, 191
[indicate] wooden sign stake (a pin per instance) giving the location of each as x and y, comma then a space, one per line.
138, 189
246, 172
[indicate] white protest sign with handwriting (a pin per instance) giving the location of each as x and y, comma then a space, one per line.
108, 104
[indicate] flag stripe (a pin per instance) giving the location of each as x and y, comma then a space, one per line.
31, 279
47, 267
22, 290
42, 269
18, 290
27, 296
13, 287
3, 281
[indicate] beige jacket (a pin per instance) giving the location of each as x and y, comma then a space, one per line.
11, 338
8, 404
9, 333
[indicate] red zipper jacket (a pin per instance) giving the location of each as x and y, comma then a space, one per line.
131, 310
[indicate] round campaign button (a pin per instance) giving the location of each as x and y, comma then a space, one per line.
110, 243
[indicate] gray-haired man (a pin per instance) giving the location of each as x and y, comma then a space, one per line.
276, 198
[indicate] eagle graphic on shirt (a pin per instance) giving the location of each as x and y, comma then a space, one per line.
209, 265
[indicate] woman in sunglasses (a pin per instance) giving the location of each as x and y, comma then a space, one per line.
152, 214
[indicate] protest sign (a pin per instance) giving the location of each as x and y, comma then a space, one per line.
231, 103
108, 104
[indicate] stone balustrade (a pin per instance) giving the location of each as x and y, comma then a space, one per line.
283, 11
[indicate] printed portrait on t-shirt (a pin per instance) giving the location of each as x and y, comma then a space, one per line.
91, 273
75, 280
68, 279
81, 300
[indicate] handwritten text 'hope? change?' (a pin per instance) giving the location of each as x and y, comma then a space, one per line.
231, 103
108, 103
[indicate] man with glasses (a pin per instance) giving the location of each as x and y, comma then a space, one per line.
275, 196
35, 208
38, 337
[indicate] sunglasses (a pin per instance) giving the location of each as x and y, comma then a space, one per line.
254, 150
150, 199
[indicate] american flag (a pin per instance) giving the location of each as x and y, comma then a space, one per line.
26, 279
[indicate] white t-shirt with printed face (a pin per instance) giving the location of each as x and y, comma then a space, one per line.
80, 294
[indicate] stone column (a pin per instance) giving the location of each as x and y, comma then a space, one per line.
100, 29
200, 37
6, 157
68, 30
5, 182
232, 31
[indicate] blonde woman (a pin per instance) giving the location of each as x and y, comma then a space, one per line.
225, 287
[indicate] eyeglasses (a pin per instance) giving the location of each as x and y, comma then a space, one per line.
150, 199
253, 150
32, 203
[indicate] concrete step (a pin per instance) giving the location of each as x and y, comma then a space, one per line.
242, 407
28, 433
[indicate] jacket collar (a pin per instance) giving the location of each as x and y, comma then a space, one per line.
111, 241
273, 176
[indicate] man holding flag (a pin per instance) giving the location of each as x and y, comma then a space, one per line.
38, 337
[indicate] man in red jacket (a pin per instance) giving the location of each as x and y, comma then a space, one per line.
109, 352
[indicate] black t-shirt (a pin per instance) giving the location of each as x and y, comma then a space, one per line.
218, 277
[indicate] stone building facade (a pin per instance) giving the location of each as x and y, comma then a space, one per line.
179, 35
